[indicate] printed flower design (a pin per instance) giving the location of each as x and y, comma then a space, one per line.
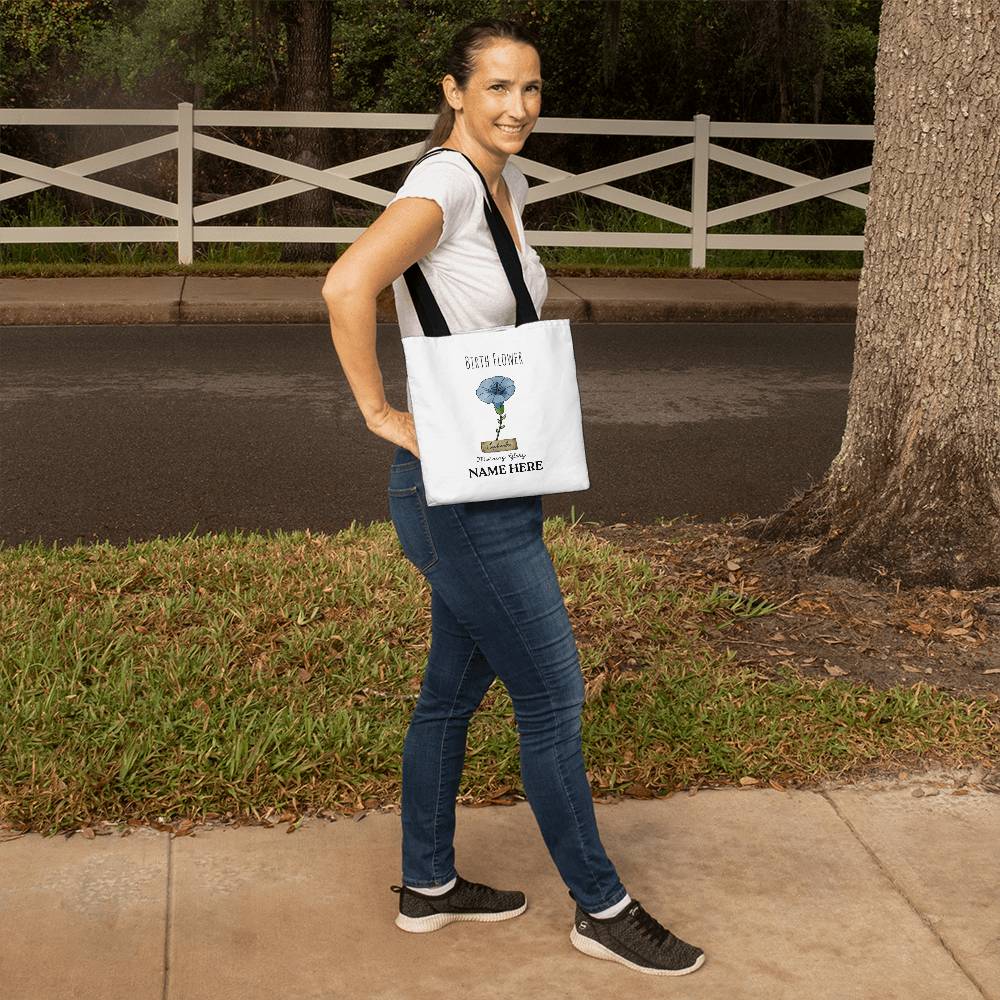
496, 390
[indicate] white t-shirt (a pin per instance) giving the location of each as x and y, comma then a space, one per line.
464, 270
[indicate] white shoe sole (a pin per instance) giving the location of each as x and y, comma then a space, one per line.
435, 921
597, 950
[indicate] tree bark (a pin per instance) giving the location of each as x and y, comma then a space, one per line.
308, 88
611, 41
915, 489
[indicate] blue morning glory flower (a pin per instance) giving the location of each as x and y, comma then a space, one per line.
496, 390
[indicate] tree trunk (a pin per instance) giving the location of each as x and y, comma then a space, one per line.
915, 489
308, 88
610, 43
785, 40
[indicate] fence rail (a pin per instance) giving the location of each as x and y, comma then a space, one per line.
189, 220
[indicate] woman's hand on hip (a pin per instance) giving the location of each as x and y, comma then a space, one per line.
396, 426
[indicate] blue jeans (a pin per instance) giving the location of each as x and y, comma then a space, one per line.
496, 611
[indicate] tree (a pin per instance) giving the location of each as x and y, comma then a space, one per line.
308, 88
915, 488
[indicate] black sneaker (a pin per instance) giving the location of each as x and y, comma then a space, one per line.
463, 901
635, 939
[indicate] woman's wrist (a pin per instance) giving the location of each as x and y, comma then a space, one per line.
374, 418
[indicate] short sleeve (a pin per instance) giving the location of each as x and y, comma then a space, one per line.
451, 186
518, 188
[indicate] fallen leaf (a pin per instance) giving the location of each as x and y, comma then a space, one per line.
808, 605
834, 670
638, 791
593, 689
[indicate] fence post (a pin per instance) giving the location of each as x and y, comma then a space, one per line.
185, 182
699, 191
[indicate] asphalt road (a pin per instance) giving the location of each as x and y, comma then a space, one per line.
117, 433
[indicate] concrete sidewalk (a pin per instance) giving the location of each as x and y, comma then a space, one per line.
888, 890
192, 299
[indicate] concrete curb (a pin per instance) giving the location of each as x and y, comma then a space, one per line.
175, 299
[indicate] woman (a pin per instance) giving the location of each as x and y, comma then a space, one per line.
496, 606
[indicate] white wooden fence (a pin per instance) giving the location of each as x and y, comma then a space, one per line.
189, 221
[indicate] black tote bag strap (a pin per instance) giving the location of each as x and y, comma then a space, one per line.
428, 312
504, 242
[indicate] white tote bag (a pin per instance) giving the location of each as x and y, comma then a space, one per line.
496, 412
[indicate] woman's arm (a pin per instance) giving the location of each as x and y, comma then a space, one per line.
352, 327
406, 231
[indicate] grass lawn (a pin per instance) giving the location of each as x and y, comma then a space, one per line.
241, 674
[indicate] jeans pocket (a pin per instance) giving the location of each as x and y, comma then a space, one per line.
406, 508
403, 460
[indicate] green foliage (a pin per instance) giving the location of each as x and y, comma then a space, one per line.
35, 34
174, 50
661, 60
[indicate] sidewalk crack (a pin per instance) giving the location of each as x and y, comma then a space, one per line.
180, 298
752, 291
899, 889
169, 917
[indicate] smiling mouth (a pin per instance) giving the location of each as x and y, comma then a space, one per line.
509, 129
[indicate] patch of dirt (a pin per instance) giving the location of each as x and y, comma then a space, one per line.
872, 632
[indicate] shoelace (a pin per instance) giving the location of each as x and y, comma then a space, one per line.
648, 925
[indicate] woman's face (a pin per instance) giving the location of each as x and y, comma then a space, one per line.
505, 89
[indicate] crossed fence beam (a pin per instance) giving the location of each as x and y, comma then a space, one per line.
189, 220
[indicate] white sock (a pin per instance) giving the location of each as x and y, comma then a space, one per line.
437, 890
613, 911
